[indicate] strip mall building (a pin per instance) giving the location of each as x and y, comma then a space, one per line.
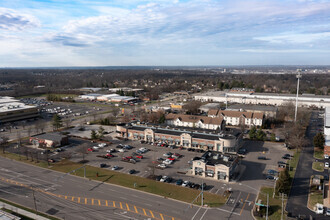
225, 141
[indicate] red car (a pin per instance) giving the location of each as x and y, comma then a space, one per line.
171, 158
109, 155
90, 149
139, 156
129, 157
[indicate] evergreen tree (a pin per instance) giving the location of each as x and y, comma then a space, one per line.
93, 135
272, 137
253, 133
319, 140
283, 183
260, 135
101, 132
57, 122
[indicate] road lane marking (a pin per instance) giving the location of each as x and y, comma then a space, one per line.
152, 214
203, 214
244, 204
196, 213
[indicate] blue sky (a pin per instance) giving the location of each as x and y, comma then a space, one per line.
164, 32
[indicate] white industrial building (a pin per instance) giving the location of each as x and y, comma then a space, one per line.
327, 122
305, 100
108, 97
91, 96
12, 109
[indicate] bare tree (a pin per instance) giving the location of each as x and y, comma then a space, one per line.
67, 122
82, 149
115, 111
42, 126
3, 143
29, 131
192, 107
125, 119
295, 135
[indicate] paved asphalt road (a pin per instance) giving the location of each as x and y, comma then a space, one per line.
297, 202
69, 185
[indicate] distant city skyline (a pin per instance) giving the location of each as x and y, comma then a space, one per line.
49, 33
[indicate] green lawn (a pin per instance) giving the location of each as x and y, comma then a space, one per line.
275, 204
314, 196
318, 166
126, 180
318, 154
294, 162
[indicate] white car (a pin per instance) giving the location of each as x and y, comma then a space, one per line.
121, 150
167, 162
326, 156
115, 168
110, 151
185, 183
102, 145
319, 208
326, 164
162, 165
163, 179
95, 147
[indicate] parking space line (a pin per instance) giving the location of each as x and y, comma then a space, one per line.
135, 209
114, 204
144, 211
161, 216
127, 207
92, 201
106, 202
85, 200
121, 205
78, 199
99, 202
152, 214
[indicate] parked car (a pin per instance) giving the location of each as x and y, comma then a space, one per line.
327, 212
270, 177
90, 149
262, 158
202, 186
158, 178
102, 145
163, 179
272, 172
111, 151
168, 180
179, 182
115, 167
326, 164
95, 147
139, 156
162, 166
286, 156
326, 156
185, 183
167, 154
121, 150
102, 165
131, 171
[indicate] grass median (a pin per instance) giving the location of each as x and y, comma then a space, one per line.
318, 166
275, 204
143, 184
318, 154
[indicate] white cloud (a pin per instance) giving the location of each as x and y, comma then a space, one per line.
13, 20
295, 38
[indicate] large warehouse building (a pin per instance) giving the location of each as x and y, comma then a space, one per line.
305, 100
12, 109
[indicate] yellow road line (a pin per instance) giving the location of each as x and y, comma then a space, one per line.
136, 209
78, 199
65, 197
152, 214
106, 202
85, 200
127, 207
172, 218
114, 204
161, 215
121, 205
92, 201
72, 198
144, 212
99, 202
244, 204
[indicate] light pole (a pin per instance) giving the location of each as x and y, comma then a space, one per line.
298, 77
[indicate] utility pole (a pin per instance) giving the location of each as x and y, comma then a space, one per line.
298, 77
202, 202
282, 206
35, 203
267, 206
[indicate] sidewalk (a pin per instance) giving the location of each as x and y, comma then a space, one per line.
326, 200
21, 211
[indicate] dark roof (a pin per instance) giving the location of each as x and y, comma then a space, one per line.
50, 136
194, 133
213, 158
